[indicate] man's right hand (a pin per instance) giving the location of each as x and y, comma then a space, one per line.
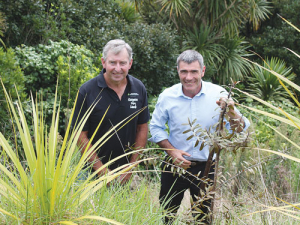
175, 154
178, 159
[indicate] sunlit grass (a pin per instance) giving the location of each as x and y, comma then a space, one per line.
131, 204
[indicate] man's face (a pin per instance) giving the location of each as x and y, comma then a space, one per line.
117, 66
190, 76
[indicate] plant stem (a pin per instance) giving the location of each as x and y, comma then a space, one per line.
215, 149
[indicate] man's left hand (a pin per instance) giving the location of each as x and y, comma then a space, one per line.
236, 121
222, 103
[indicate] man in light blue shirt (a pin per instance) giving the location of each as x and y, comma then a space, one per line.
191, 99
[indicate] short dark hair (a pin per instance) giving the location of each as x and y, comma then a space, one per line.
190, 56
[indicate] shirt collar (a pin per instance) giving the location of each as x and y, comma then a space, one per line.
102, 83
202, 91
100, 79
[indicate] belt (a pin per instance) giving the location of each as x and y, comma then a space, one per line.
195, 163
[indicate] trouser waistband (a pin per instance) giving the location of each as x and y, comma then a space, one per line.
195, 163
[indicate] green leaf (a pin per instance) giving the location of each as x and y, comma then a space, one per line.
184, 132
190, 137
202, 146
196, 144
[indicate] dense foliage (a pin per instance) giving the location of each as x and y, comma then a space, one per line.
68, 63
265, 85
275, 35
92, 24
212, 28
13, 79
155, 53
62, 63
36, 22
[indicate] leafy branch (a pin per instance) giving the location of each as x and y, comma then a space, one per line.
217, 141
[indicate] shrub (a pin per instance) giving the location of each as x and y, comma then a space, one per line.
36, 22
155, 52
43, 64
11, 76
92, 24
275, 36
68, 63
267, 86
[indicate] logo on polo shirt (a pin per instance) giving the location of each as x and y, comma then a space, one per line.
130, 94
132, 99
132, 102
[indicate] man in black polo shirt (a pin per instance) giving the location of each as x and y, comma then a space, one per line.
124, 95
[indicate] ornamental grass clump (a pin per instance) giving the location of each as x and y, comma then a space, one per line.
45, 189
292, 121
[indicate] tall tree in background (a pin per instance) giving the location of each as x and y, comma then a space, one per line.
92, 23
33, 22
211, 27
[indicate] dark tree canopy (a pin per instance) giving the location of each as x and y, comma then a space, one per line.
92, 24
276, 35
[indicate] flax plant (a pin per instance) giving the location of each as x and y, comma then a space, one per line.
45, 190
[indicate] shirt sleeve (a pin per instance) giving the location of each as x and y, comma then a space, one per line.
144, 116
158, 122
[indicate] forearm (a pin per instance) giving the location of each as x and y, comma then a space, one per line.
167, 145
176, 154
93, 157
140, 140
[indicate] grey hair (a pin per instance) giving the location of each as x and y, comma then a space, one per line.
190, 56
116, 46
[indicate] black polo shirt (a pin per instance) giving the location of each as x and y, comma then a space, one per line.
133, 99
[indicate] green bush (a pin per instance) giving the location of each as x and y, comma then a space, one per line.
11, 76
92, 24
72, 75
266, 86
275, 36
155, 53
43, 65
36, 22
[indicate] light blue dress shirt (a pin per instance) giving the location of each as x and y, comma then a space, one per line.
175, 108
